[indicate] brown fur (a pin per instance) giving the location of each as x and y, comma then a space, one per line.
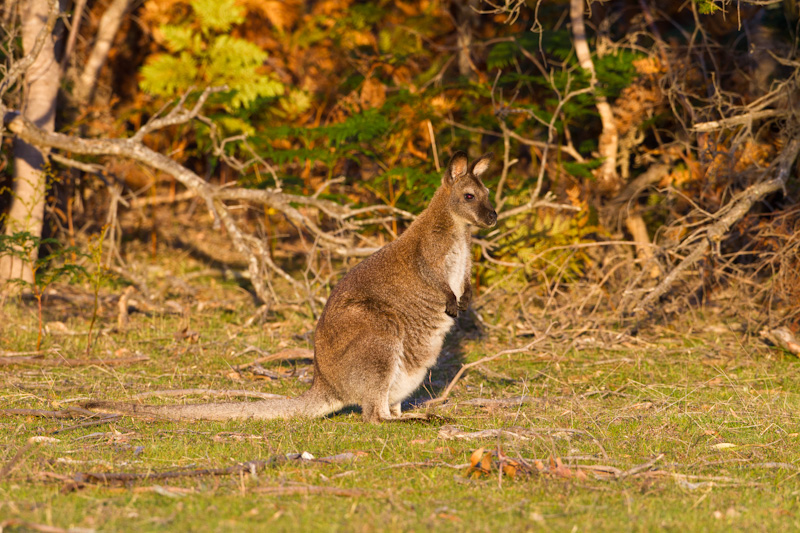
384, 323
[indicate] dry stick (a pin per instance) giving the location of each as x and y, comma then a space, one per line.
737, 120
210, 392
642, 467
104, 420
127, 477
486, 359
31, 526
37, 353
122, 307
39, 412
717, 231
433, 146
5, 361
9, 466
316, 489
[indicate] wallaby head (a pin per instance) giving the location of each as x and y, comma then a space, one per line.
468, 196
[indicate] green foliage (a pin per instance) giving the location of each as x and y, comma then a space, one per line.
203, 54
582, 170
543, 241
326, 143
707, 7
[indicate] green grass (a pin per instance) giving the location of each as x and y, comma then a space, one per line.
722, 408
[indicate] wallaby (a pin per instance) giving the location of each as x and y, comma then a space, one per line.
385, 321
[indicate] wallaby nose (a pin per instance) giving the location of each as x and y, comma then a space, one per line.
493, 217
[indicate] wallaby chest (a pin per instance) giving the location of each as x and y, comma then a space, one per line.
457, 265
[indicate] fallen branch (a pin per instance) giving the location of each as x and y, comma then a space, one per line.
207, 392
717, 231
738, 120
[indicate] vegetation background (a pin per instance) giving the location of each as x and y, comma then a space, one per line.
183, 181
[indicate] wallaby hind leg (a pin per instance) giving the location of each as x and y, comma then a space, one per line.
378, 369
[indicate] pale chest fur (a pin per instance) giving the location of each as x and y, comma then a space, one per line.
457, 264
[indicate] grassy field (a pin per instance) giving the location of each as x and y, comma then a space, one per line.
688, 428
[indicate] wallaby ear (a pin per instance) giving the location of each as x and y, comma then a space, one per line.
481, 165
457, 168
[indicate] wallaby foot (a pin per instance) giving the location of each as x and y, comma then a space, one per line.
396, 410
376, 413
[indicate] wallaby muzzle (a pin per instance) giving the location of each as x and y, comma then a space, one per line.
487, 216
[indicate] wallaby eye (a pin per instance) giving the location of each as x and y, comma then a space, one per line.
468, 196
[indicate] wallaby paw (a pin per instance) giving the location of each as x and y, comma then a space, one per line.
466, 298
452, 306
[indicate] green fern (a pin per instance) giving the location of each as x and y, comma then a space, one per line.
207, 56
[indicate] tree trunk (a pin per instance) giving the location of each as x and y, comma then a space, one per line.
39, 105
107, 30
608, 142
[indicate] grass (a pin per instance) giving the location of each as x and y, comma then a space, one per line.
713, 411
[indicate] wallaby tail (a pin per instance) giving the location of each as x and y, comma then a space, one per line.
313, 403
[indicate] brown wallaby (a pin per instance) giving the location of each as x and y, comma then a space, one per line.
385, 321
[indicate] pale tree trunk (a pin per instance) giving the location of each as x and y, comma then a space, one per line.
609, 139
40, 89
106, 31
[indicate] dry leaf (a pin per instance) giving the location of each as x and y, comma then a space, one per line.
476, 457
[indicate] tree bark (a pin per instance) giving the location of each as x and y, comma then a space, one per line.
40, 89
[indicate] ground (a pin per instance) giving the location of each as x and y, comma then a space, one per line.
690, 426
